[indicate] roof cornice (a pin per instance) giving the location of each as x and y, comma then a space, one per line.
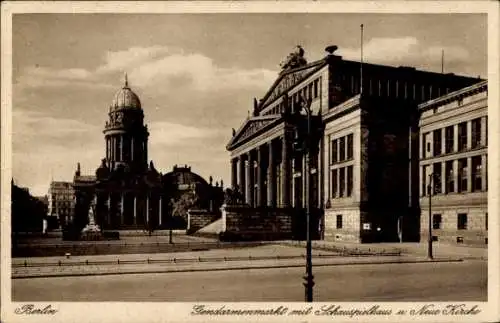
455, 95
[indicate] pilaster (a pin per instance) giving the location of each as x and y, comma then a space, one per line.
271, 193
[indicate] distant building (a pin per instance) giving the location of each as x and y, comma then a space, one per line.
453, 163
364, 146
182, 183
60, 203
127, 191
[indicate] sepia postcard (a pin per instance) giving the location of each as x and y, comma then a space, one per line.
271, 161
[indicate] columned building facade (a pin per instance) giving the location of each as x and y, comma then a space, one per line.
453, 164
126, 191
363, 145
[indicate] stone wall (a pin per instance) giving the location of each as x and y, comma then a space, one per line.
350, 230
245, 223
198, 219
475, 233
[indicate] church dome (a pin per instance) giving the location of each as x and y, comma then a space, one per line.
125, 98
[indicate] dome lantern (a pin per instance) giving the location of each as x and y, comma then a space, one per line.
125, 98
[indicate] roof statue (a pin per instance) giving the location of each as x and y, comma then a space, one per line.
294, 59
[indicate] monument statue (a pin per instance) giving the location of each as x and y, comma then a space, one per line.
233, 196
91, 231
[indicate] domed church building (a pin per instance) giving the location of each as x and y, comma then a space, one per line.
127, 191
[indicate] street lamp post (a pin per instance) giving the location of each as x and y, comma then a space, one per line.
429, 191
308, 277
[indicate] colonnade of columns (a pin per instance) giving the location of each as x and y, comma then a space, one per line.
263, 174
144, 209
125, 148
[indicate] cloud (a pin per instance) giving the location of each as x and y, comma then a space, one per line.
164, 133
156, 67
132, 57
405, 51
198, 72
35, 77
45, 147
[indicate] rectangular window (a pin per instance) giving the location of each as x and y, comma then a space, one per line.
449, 139
486, 132
342, 149
462, 175
339, 221
462, 136
426, 147
334, 151
334, 183
315, 88
436, 139
310, 89
476, 133
477, 182
462, 221
350, 148
341, 182
486, 221
424, 178
436, 221
349, 180
450, 177
436, 171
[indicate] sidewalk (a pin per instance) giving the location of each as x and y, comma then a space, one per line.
267, 256
90, 270
406, 248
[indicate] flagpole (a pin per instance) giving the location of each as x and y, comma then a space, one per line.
442, 61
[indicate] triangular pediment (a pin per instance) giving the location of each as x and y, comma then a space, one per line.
288, 80
251, 126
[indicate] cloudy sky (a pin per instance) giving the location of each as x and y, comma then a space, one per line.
196, 75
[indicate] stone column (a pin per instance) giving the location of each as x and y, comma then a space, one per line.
111, 156
241, 174
271, 193
469, 173
248, 180
121, 147
444, 188
285, 170
234, 172
455, 175
121, 209
159, 210
260, 177
147, 210
132, 149
455, 138
484, 172
469, 135
135, 209
484, 133
108, 220
443, 140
